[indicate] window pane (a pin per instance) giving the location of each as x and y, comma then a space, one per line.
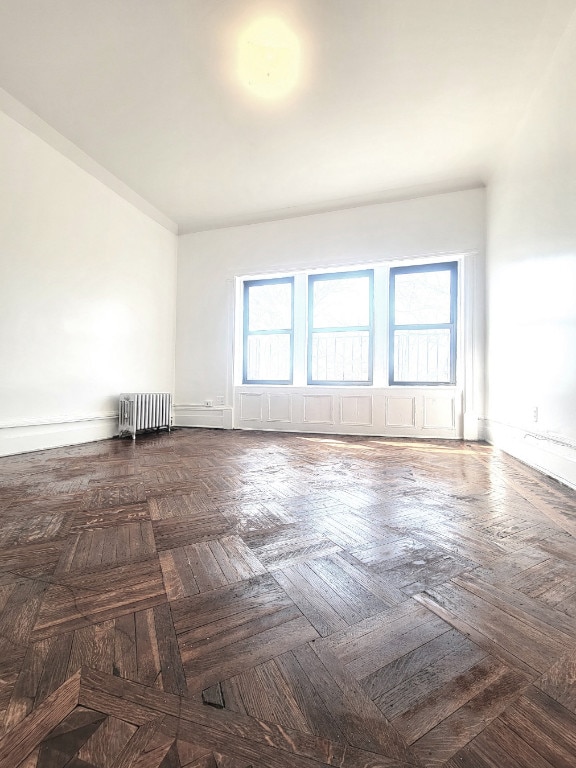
341, 356
270, 307
422, 297
268, 357
422, 356
341, 302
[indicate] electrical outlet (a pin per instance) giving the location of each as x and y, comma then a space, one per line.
208, 403
535, 413
220, 400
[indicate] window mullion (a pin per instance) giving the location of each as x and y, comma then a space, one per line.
300, 328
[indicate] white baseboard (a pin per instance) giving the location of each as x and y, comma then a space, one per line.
472, 426
553, 455
214, 417
25, 436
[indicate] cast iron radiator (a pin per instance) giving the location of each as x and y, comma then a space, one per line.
143, 410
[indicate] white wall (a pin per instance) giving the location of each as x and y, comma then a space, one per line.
209, 261
87, 291
531, 277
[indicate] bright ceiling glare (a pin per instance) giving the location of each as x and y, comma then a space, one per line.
269, 58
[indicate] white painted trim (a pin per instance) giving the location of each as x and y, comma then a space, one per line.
192, 415
57, 420
303, 418
34, 123
389, 196
554, 455
56, 432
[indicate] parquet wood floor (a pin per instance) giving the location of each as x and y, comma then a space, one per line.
212, 599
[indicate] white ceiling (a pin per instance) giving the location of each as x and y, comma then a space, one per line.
396, 97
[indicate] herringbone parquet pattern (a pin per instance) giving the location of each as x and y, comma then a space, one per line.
209, 599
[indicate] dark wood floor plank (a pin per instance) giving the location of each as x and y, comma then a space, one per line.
232, 696
357, 602
547, 725
311, 579
356, 716
204, 609
559, 682
20, 612
455, 731
125, 652
190, 753
258, 642
18, 743
369, 579
147, 654
560, 546
391, 623
534, 646
242, 748
179, 580
107, 742
320, 721
314, 603
499, 746
128, 755
207, 573
104, 646
424, 683
55, 667
26, 686
411, 663
140, 704
431, 710
173, 678
479, 638
63, 743
240, 557
376, 642
82, 600
170, 534
288, 546
523, 608
267, 696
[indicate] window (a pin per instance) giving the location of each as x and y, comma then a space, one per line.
372, 326
268, 331
340, 328
423, 324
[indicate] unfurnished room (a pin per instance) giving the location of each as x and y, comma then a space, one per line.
287, 383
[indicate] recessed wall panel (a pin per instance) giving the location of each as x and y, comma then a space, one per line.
400, 412
251, 407
438, 413
356, 410
318, 409
280, 408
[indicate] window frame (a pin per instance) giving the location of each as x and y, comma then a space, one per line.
323, 276
452, 268
246, 333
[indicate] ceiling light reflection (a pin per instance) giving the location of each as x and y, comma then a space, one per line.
269, 58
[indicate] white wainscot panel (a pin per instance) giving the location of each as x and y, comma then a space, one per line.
280, 408
439, 413
356, 410
400, 412
318, 409
251, 407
